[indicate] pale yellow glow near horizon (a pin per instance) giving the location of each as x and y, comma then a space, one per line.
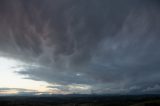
10, 79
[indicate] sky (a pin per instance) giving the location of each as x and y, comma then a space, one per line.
79, 46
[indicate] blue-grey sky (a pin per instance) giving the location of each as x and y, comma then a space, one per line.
81, 46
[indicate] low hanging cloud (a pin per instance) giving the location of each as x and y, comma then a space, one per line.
17, 91
108, 46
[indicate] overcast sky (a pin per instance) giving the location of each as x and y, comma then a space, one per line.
80, 46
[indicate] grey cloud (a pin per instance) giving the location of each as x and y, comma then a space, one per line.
107, 44
24, 92
19, 91
72, 88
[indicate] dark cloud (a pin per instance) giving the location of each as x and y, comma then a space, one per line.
72, 88
110, 45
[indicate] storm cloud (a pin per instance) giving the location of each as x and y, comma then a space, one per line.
106, 46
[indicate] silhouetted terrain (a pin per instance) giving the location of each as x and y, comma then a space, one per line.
81, 100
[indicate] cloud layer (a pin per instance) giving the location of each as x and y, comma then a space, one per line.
108, 46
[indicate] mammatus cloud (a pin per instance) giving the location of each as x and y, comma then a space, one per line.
106, 46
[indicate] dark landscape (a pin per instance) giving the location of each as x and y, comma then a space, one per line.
81, 100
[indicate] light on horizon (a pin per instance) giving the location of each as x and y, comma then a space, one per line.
9, 78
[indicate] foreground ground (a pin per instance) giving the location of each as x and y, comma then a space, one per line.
82, 100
